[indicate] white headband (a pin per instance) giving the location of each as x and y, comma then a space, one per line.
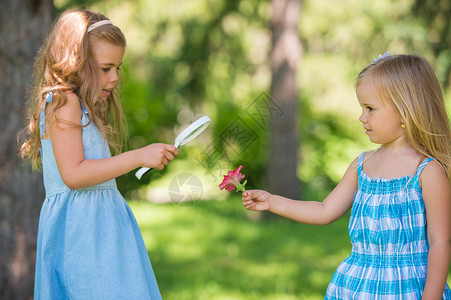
98, 24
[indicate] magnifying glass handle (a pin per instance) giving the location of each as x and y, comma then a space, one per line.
141, 172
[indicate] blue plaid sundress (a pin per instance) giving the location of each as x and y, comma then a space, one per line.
387, 228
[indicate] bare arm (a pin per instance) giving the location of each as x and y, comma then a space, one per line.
336, 204
78, 172
437, 199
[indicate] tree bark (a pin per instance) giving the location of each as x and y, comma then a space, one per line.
23, 25
283, 140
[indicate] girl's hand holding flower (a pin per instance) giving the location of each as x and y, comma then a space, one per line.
252, 200
256, 200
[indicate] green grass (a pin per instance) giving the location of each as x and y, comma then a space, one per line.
218, 250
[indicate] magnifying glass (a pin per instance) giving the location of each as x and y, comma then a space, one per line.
187, 135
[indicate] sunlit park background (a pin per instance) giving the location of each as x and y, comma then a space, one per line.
211, 57
186, 59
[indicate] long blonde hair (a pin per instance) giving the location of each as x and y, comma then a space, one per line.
66, 63
409, 83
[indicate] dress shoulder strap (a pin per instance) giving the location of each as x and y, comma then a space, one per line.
360, 162
422, 165
48, 99
415, 179
83, 108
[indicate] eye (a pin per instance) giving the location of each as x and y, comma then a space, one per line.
368, 108
105, 69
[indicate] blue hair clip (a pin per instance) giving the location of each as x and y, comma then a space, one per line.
381, 56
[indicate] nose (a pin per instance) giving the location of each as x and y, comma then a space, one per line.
363, 117
114, 78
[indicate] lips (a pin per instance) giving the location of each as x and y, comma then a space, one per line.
106, 92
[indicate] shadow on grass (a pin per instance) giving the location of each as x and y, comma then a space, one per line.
218, 250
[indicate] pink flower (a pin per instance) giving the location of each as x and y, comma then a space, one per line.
233, 180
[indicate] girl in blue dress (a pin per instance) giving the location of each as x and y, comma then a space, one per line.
400, 194
89, 244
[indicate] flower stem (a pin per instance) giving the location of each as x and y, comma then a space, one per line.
241, 187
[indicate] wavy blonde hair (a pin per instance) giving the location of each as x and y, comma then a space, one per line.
66, 63
409, 83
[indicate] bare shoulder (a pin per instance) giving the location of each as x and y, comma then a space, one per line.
433, 170
68, 108
351, 172
434, 177
354, 163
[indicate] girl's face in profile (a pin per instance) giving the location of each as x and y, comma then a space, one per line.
109, 59
381, 121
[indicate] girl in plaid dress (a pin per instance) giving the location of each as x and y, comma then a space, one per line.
400, 194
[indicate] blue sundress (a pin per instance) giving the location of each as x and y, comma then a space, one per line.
388, 232
89, 243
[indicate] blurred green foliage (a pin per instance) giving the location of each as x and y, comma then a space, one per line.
189, 58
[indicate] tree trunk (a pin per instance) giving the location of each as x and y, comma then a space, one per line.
23, 25
283, 141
